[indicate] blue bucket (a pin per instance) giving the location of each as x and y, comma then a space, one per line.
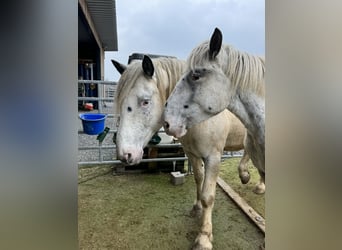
93, 124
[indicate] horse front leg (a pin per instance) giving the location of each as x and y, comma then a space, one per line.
243, 169
198, 169
205, 236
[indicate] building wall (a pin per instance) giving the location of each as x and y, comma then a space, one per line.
90, 54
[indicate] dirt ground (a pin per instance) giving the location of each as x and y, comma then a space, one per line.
145, 211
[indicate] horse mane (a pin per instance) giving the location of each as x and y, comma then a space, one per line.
167, 72
245, 71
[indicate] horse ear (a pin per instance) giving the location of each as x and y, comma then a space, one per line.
148, 66
215, 43
119, 67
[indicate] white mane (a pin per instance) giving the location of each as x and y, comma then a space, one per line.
244, 70
167, 73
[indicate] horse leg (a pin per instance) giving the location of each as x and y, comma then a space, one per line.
205, 236
254, 153
260, 187
243, 169
197, 166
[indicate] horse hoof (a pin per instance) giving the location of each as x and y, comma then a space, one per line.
203, 242
245, 178
262, 247
259, 189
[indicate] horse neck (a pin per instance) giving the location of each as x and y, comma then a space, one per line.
250, 109
168, 76
245, 71
168, 72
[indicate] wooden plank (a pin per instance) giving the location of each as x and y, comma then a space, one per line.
247, 209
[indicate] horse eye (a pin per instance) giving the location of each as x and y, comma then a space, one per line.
195, 77
145, 102
129, 109
186, 106
165, 105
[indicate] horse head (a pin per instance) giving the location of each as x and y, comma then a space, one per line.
200, 94
140, 108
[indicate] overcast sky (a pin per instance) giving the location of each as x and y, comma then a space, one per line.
175, 27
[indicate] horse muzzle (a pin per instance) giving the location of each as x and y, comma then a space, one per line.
176, 131
131, 156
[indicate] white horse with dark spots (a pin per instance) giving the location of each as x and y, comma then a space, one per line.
142, 92
219, 77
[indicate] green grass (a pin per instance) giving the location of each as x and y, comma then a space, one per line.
229, 174
146, 211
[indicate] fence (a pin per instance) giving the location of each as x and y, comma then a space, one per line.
88, 146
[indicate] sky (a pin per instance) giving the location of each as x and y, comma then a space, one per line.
175, 27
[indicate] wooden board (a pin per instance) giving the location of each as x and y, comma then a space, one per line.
247, 209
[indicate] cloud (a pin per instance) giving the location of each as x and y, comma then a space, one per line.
176, 27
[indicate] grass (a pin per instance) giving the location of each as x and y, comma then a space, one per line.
229, 174
145, 211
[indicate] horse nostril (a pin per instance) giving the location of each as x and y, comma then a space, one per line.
129, 156
166, 125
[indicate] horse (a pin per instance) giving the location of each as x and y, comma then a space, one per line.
143, 89
218, 76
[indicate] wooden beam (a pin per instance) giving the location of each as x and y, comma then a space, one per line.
247, 209
90, 21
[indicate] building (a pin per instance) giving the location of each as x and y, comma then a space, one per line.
97, 33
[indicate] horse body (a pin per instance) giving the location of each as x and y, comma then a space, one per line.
142, 92
207, 132
219, 77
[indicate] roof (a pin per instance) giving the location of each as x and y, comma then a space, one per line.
103, 14
140, 56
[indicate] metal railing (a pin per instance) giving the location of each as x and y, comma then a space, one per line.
100, 148
100, 109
